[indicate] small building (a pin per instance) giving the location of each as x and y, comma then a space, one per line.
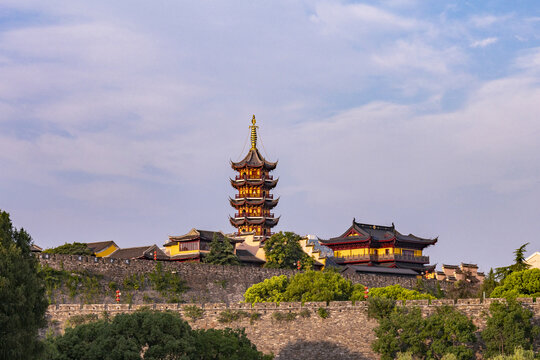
534, 260
102, 248
35, 249
194, 245
318, 252
142, 252
462, 272
382, 246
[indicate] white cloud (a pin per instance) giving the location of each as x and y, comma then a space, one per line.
484, 42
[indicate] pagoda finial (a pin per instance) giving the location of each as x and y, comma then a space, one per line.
253, 128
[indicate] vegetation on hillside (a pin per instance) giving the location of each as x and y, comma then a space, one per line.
22, 294
75, 248
322, 286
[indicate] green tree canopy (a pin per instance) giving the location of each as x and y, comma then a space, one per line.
22, 294
397, 292
307, 286
75, 248
221, 252
508, 326
283, 251
404, 330
525, 283
157, 335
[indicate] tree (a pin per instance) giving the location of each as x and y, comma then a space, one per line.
283, 251
397, 292
269, 290
518, 265
489, 284
154, 334
318, 286
524, 283
71, 249
404, 330
221, 252
308, 286
449, 332
508, 326
22, 294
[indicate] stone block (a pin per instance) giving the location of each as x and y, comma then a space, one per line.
439, 302
269, 305
69, 307
489, 301
525, 300
163, 307
340, 304
94, 307
468, 301
215, 306
290, 305
314, 304
419, 302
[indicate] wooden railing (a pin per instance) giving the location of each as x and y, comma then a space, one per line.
383, 257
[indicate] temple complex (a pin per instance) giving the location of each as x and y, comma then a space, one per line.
253, 202
380, 246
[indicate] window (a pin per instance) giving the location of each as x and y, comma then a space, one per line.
408, 252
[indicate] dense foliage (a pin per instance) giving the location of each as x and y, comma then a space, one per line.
221, 252
508, 326
519, 354
70, 249
308, 286
22, 294
403, 330
397, 292
525, 283
283, 251
156, 335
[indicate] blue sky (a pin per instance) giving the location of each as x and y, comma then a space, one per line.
118, 119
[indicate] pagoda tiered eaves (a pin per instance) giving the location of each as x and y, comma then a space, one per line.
254, 201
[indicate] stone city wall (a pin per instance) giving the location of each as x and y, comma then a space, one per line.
207, 283
346, 334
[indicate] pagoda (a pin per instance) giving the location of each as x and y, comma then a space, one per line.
380, 246
254, 201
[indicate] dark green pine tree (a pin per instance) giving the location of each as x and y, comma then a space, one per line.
221, 252
22, 294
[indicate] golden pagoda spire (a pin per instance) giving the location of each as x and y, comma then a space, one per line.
253, 128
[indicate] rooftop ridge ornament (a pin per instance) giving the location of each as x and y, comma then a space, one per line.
253, 128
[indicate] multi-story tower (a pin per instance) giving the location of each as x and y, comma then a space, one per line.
254, 201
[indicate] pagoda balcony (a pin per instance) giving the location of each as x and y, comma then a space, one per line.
382, 258
245, 177
269, 215
240, 196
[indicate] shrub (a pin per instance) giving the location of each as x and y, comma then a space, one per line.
519, 354
270, 290
254, 316
397, 292
305, 313
379, 308
228, 316
193, 312
70, 249
280, 316
323, 313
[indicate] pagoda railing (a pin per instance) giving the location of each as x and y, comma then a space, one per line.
384, 257
269, 215
240, 196
245, 177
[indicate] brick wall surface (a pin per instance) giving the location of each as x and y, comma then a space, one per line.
346, 334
